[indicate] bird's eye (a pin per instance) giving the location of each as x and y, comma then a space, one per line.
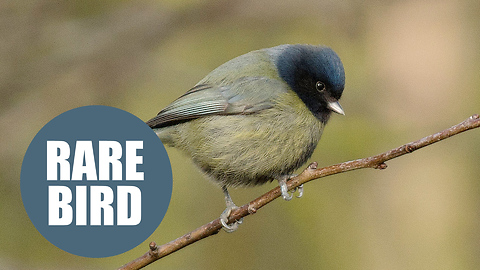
320, 86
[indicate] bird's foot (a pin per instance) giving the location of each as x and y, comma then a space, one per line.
286, 195
226, 213
224, 219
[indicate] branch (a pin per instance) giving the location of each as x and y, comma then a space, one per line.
309, 174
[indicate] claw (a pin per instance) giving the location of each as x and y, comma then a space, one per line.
226, 213
286, 195
224, 219
300, 191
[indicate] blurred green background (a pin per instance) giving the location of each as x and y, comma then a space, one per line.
412, 68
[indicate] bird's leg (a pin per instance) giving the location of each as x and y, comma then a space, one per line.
282, 181
226, 213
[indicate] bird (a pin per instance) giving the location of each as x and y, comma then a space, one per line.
256, 118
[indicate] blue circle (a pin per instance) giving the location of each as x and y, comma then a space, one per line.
113, 216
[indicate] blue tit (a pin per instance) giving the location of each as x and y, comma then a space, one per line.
257, 117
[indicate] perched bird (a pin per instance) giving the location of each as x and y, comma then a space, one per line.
257, 117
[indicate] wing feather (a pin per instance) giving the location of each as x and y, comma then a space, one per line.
243, 96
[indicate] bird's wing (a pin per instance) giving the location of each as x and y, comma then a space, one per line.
243, 96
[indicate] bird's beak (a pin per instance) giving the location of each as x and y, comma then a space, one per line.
335, 106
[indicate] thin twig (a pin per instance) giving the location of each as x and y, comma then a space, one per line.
309, 174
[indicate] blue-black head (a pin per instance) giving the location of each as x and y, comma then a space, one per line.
316, 74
